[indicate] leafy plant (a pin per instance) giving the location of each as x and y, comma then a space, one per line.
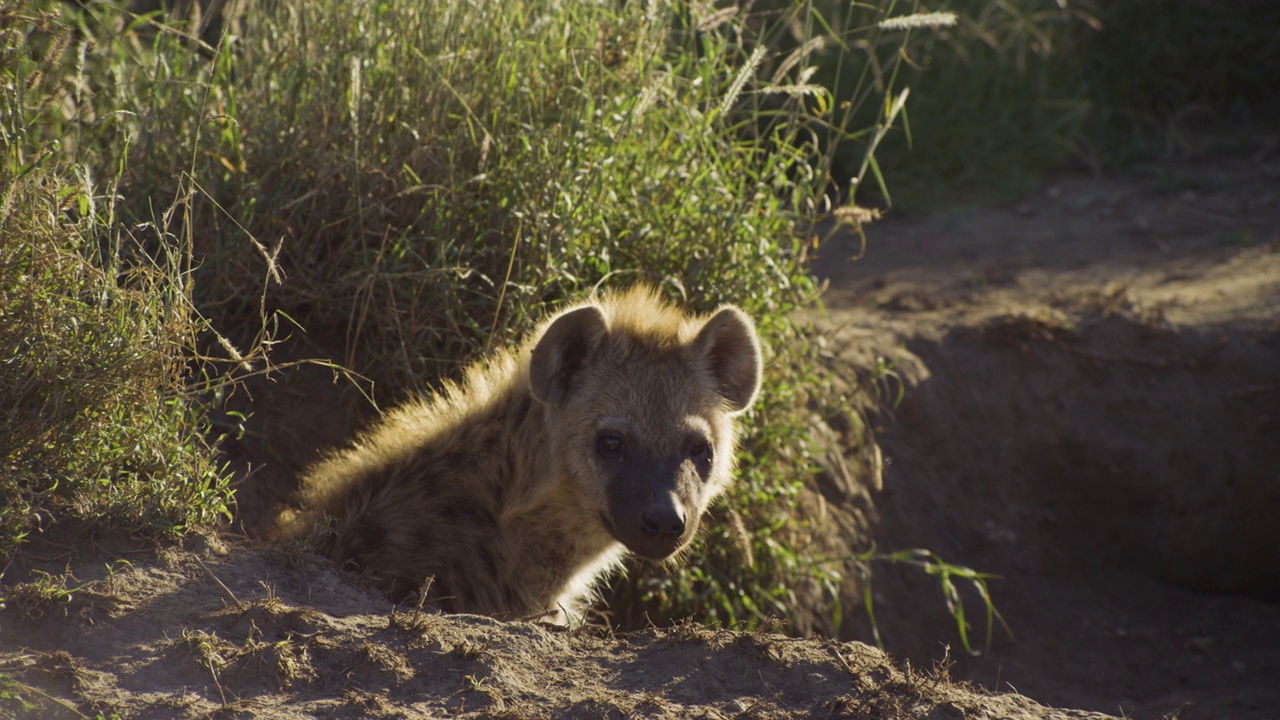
948, 574
100, 421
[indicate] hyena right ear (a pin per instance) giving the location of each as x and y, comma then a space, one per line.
728, 342
565, 348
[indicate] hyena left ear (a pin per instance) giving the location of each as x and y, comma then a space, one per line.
565, 348
732, 351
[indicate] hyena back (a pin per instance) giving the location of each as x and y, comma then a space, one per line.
511, 493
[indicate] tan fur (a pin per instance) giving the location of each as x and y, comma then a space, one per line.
513, 492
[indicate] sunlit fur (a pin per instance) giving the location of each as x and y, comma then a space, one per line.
493, 488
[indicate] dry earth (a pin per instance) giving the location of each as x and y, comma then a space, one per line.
242, 631
1092, 411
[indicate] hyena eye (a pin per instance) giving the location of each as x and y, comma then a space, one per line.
609, 446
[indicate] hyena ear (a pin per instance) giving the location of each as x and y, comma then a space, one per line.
565, 348
732, 351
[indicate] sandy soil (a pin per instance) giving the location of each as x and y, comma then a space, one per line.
242, 631
1092, 411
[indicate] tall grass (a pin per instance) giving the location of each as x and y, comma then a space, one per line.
433, 173
419, 180
97, 422
1201, 82
990, 108
1019, 87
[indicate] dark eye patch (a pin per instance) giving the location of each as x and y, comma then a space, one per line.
699, 448
609, 445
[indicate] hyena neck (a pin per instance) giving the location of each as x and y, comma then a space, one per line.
531, 474
555, 539
561, 558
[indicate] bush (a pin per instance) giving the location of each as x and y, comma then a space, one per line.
424, 179
96, 421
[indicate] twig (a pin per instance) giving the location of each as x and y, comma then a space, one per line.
57, 701
216, 682
226, 590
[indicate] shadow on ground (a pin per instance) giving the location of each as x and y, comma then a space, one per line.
1093, 413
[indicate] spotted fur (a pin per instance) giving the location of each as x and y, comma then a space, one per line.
514, 491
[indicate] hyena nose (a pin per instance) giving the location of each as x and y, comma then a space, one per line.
662, 520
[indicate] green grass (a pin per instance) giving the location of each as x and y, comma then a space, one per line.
96, 338
1201, 83
421, 180
1018, 88
96, 422
990, 107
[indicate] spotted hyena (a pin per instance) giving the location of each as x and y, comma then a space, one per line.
514, 491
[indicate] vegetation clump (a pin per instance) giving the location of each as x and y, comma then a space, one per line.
97, 420
1015, 88
419, 181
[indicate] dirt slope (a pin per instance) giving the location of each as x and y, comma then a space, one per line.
1092, 412
241, 631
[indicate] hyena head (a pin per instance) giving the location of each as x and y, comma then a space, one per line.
640, 402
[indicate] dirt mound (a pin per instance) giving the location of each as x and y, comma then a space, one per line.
1092, 412
252, 632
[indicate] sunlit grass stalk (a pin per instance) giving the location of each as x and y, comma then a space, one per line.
918, 21
747, 72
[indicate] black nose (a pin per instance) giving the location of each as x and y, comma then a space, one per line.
662, 520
